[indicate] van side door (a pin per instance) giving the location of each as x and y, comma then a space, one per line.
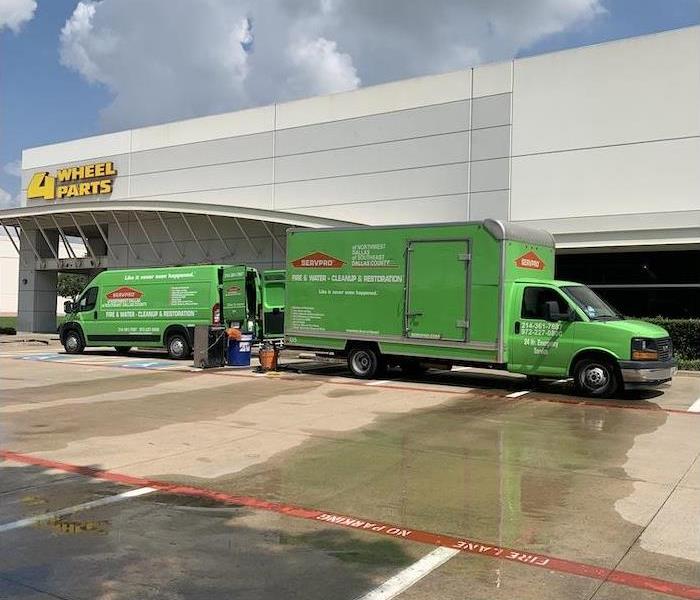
539, 344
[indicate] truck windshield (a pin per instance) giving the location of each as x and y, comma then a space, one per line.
593, 305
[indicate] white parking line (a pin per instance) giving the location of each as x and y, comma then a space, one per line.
518, 394
73, 509
695, 406
403, 580
378, 382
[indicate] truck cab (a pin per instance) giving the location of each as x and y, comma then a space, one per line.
564, 329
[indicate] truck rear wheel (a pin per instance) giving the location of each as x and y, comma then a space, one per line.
364, 362
178, 346
597, 378
73, 342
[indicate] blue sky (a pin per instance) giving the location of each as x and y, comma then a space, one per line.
43, 101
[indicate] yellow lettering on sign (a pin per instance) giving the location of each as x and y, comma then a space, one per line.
42, 185
64, 175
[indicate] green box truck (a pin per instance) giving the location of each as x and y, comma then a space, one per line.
160, 307
480, 294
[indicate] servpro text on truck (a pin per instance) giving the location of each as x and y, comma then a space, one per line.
479, 293
159, 307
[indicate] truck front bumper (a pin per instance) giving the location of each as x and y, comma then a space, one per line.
644, 372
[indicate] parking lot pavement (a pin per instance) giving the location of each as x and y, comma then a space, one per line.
314, 484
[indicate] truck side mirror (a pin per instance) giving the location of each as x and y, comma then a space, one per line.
68, 307
551, 311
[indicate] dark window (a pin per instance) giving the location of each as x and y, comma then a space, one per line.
535, 298
639, 284
88, 299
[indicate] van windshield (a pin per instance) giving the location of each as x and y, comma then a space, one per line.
593, 305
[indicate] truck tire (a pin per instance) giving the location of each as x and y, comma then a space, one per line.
596, 378
122, 349
178, 346
364, 362
73, 342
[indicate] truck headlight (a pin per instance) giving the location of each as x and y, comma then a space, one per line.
644, 349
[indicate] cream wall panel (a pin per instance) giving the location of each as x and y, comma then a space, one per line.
636, 89
402, 124
640, 178
429, 181
397, 95
80, 150
388, 156
243, 122
259, 196
489, 205
235, 149
444, 209
254, 172
495, 78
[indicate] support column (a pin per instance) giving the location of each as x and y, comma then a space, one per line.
36, 300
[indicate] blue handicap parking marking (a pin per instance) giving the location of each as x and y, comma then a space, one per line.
146, 364
47, 357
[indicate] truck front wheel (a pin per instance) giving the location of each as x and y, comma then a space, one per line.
364, 362
597, 378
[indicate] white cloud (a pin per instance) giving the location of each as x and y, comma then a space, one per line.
7, 200
14, 13
13, 168
320, 68
174, 62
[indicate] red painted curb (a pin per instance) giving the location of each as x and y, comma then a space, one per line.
466, 545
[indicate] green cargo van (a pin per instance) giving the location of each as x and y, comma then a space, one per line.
159, 307
479, 294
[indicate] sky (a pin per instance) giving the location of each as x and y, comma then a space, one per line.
71, 69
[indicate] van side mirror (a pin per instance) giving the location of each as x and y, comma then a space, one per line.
68, 307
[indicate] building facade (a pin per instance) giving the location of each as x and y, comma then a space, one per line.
600, 145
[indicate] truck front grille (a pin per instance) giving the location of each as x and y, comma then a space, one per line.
664, 348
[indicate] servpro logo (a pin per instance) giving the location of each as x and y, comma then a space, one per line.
234, 289
124, 293
318, 260
530, 260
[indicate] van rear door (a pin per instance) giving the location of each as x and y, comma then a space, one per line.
234, 305
436, 290
273, 284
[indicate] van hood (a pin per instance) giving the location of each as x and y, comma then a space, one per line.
635, 328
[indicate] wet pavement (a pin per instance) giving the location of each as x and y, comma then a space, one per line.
559, 482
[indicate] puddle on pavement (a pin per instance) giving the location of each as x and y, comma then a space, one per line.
173, 547
540, 477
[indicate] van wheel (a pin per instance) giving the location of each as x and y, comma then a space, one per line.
73, 342
178, 346
365, 362
597, 378
122, 349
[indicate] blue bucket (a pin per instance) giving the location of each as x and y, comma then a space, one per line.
239, 352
